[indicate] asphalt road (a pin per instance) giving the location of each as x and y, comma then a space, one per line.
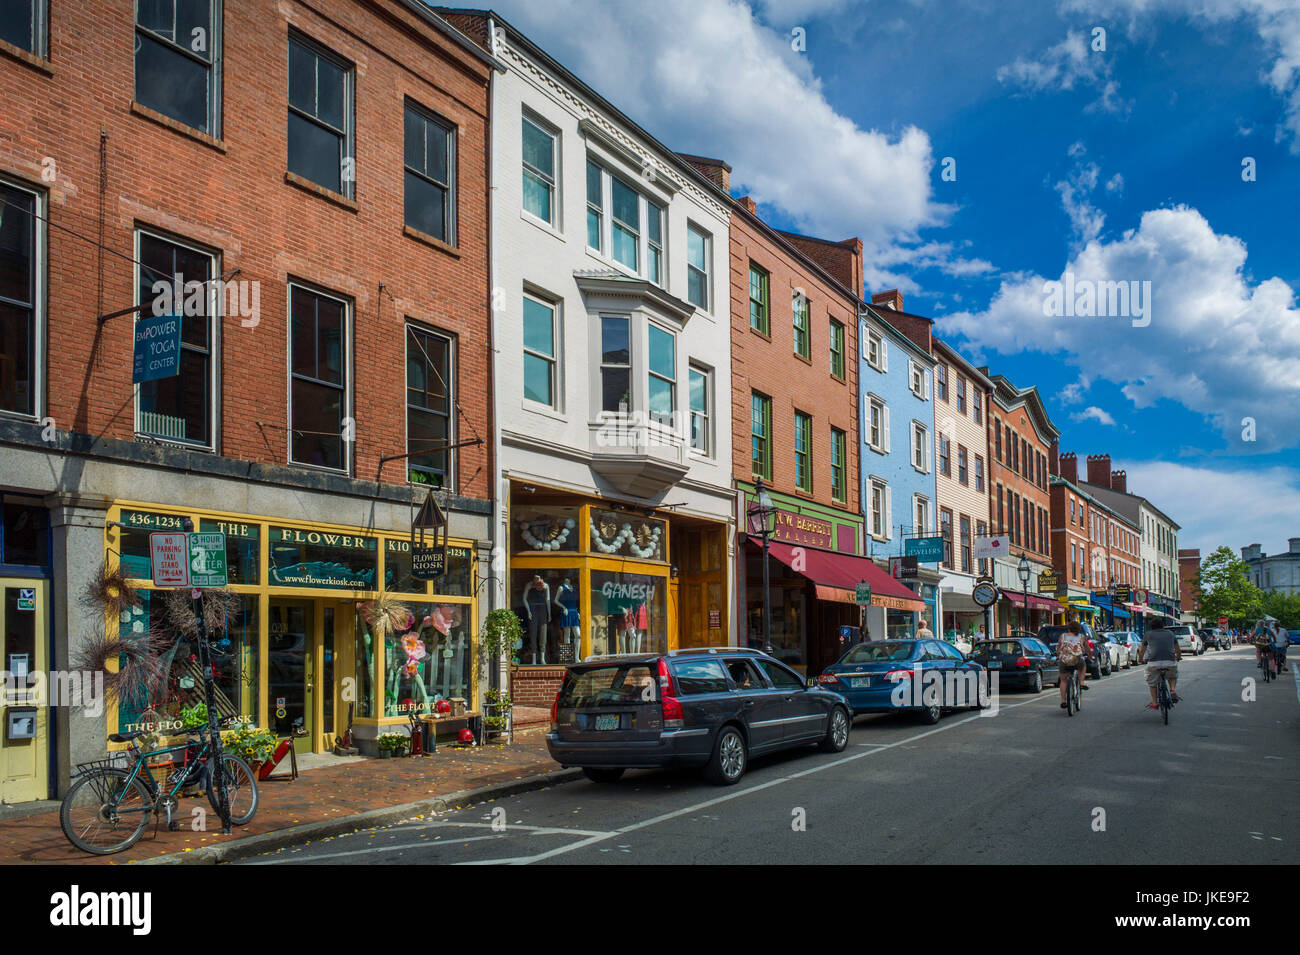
1113, 784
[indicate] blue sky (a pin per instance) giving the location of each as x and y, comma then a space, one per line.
1122, 164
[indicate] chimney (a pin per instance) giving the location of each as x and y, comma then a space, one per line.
1295, 544
1069, 467
749, 204
1099, 470
1251, 552
714, 169
891, 299
1119, 481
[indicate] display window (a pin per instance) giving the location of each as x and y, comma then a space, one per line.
629, 613
545, 529
548, 602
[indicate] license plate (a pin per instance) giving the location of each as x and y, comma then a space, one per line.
858, 683
995, 664
609, 722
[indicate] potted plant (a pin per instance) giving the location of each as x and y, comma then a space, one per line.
250, 743
497, 706
192, 717
392, 744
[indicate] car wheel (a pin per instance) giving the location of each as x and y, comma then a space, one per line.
929, 715
1036, 685
730, 758
603, 774
837, 733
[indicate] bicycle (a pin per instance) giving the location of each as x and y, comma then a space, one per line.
1073, 699
1266, 660
109, 803
1163, 697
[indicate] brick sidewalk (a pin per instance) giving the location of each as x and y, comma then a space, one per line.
317, 795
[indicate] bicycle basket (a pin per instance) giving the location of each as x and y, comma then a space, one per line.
117, 760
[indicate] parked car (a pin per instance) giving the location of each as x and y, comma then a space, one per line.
1223, 639
1110, 646
1098, 661
712, 707
1117, 643
1023, 662
1213, 639
869, 674
1292, 637
1133, 642
1189, 641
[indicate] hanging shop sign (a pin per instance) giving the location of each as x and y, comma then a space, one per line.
1123, 593
428, 563
992, 546
926, 549
157, 348
903, 568
1048, 582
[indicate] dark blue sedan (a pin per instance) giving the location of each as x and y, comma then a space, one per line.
922, 676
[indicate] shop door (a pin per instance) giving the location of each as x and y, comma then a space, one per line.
294, 644
24, 736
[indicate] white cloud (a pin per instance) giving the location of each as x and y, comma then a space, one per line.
1276, 21
705, 76
1115, 184
1073, 394
1265, 503
1219, 342
1064, 66
1093, 413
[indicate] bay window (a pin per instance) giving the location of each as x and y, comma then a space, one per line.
663, 375
615, 365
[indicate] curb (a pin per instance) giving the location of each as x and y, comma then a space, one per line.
249, 846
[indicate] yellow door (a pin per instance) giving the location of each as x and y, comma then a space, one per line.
24, 725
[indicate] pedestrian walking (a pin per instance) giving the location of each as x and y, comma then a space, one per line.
923, 632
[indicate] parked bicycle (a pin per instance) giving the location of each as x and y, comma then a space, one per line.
110, 801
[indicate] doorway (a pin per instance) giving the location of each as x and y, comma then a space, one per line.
302, 641
24, 725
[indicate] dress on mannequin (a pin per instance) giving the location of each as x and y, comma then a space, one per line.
537, 604
566, 598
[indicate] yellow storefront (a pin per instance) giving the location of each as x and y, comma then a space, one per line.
301, 652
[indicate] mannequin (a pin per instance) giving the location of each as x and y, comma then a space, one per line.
537, 605
566, 598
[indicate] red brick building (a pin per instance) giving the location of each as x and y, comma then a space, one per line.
315, 175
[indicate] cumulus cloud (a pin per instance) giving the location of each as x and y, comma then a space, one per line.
1064, 66
1073, 394
1276, 21
692, 75
1093, 413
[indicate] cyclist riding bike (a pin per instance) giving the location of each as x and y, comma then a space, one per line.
1263, 640
1161, 653
1279, 646
1069, 653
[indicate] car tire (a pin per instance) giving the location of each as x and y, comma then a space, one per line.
837, 731
730, 758
603, 774
929, 715
1036, 686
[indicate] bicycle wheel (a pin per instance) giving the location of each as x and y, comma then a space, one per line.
241, 789
1071, 698
1078, 691
105, 811
1165, 699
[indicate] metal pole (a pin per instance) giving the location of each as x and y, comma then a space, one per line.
214, 763
767, 599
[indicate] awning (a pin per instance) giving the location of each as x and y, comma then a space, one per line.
1140, 608
1104, 604
837, 576
1082, 606
1035, 602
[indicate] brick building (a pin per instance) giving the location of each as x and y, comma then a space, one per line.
327, 160
1189, 572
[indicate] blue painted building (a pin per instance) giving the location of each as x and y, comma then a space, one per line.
896, 387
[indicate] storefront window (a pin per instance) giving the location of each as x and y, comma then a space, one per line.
548, 605
303, 558
397, 568
628, 613
431, 661
243, 549
899, 624
627, 535
544, 528
365, 662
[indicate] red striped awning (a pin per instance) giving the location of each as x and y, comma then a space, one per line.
837, 576
1035, 602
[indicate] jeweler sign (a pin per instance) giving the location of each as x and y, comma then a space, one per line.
157, 348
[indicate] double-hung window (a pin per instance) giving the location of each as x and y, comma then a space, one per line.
941, 381
839, 475
430, 196
595, 207
626, 224
699, 250
428, 406
877, 424
961, 465
318, 379
654, 242
961, 394
180, 407
21, 299
997, 440
632, 234
945, 531
663, 375
922, 508
945, 456
177, 56
802, 326
320, 116
875, 349
837, 349
803, 452
920, 447
981, 530
759, 319
881, 520
761, 435
976, 405
615, 365
539, 162
916, 378
541, 382
701, 387
25, 24
979, 472
964, 528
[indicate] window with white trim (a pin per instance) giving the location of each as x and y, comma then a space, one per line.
22, 299
881, 520
916, 378
177, 55
541, 346
920, 447
701, 398
662, 365
615, 364
699, 252
595, 207
631, 235
876, 426
921, 513
875, 349
540, 148
319, 387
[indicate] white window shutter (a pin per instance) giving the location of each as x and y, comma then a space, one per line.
926, 376
884, 354
929, 454
889, 512
911, 444
885, 426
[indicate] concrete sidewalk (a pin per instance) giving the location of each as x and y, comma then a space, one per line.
319, 803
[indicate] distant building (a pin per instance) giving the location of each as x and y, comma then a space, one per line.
1189, 568
1279, 573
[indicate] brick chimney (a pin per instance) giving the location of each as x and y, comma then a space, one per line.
749, 204
715, 169
1099, 470
1118, 481
891, 299
1069, 467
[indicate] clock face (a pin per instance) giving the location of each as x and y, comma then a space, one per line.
985, 595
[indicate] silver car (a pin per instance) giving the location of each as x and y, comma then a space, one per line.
1132, 643
1117, 654
1189, 641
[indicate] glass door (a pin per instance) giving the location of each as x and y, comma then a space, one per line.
23, 725
292, 645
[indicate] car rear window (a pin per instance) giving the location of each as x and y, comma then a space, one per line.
998, 646
1051, 635
694, 677
876, 652
614, 685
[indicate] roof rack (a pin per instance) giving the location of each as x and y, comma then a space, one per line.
685, 650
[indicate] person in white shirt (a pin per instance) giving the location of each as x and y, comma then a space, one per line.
923, 633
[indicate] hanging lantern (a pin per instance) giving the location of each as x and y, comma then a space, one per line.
429, 554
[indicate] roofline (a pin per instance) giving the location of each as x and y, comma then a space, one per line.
966, 365
429, 15
571, 78
778, 236
1057, 479
721, 162
901, 337
1026, 394
1139, 498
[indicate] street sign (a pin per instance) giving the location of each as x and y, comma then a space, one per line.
26, 598
863, 595
207, 560
157, 348
926, 549
1223, 623
985, 593
992, 547
169, 558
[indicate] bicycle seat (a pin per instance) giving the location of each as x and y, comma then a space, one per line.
125, 737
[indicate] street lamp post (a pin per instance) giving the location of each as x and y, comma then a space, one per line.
1110, 594
1024, 571
762, 523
